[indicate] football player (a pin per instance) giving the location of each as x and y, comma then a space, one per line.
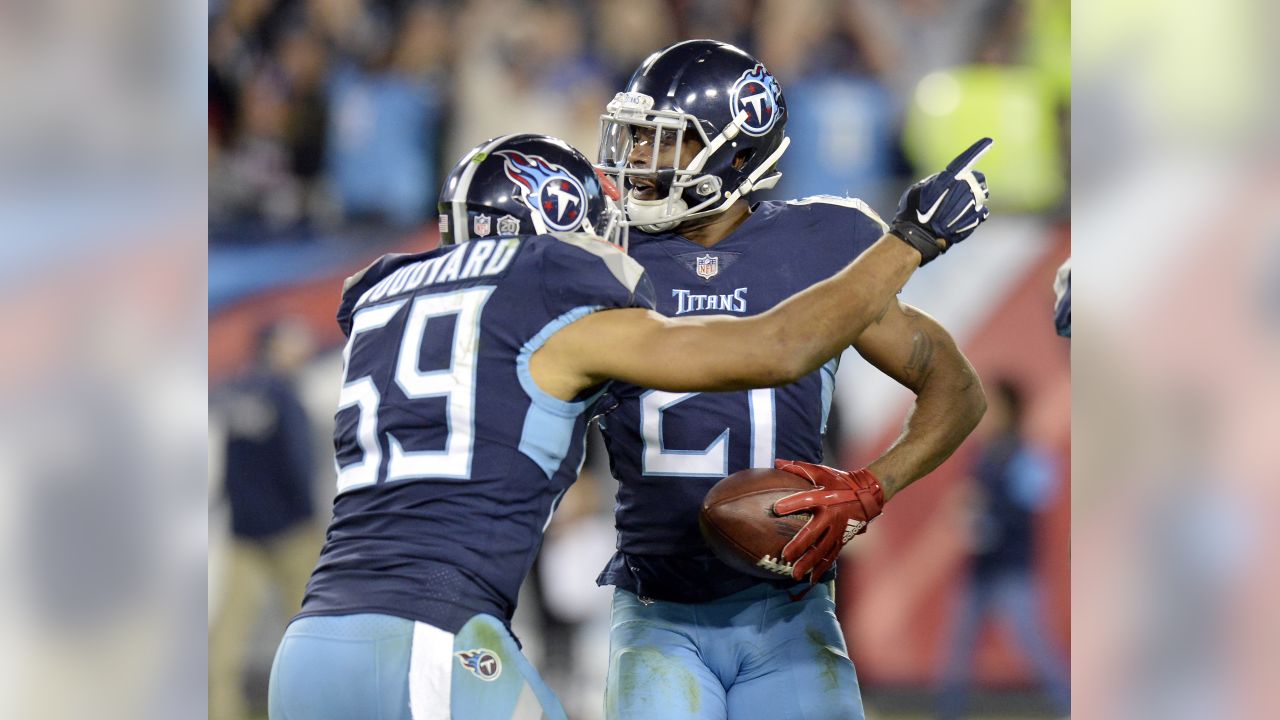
468, 374
699, 127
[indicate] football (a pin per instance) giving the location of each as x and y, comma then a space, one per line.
738, 522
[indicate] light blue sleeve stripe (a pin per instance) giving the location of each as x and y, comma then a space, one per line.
548, 425
535, 393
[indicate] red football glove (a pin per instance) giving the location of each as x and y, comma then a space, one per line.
842, 504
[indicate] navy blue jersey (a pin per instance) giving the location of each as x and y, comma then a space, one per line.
450, 459
668, 449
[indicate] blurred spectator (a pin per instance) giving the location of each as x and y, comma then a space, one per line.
1011, 481
325, 111
268, 481
251, 179
526, 68
386, 108
921, 36
841, 118
627, 32
303, 65
322, 110
725, 20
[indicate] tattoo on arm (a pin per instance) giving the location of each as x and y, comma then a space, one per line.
889, 484
948, 402
920, 364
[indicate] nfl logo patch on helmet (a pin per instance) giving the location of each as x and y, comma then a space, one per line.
481, 225
756, 92
707, 266
548, 189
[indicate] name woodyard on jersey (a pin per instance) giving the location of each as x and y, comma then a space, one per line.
686, 301
475, 259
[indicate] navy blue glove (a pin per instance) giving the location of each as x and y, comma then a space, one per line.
945, 208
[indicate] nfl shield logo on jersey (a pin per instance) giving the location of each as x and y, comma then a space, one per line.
508, 225
707, 267
481, 225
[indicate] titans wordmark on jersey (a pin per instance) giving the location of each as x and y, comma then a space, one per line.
668, 449
450, 460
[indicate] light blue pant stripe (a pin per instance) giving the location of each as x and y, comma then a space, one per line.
356, 667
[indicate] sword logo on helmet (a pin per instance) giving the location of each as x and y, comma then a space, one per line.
756, 92
547, 189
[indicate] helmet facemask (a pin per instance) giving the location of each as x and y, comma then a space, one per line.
612, 226
684, 190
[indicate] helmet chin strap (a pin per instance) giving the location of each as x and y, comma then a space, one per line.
536, 217
655, 216
752, 182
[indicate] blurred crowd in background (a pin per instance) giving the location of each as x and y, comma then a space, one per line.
1175, 167
325, 114
331, 125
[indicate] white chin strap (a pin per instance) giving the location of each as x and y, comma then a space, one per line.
655, 216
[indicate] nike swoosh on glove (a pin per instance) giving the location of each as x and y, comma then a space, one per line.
945, 208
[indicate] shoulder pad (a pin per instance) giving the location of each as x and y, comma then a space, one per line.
358, 276
853, 203
354, 286
626, 270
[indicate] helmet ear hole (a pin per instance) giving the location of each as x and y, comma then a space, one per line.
742, 157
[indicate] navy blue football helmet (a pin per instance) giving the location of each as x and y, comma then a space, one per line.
704, 90
527, 185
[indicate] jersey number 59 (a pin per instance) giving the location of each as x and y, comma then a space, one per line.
456, 383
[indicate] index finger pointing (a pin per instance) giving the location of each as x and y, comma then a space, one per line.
966, 159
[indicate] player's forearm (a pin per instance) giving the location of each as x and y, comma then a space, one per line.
720, 353
948, 406
816, 325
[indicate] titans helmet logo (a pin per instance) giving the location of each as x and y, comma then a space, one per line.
547, 189
482, 663
756, 92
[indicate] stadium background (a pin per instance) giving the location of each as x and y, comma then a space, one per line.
331, 122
